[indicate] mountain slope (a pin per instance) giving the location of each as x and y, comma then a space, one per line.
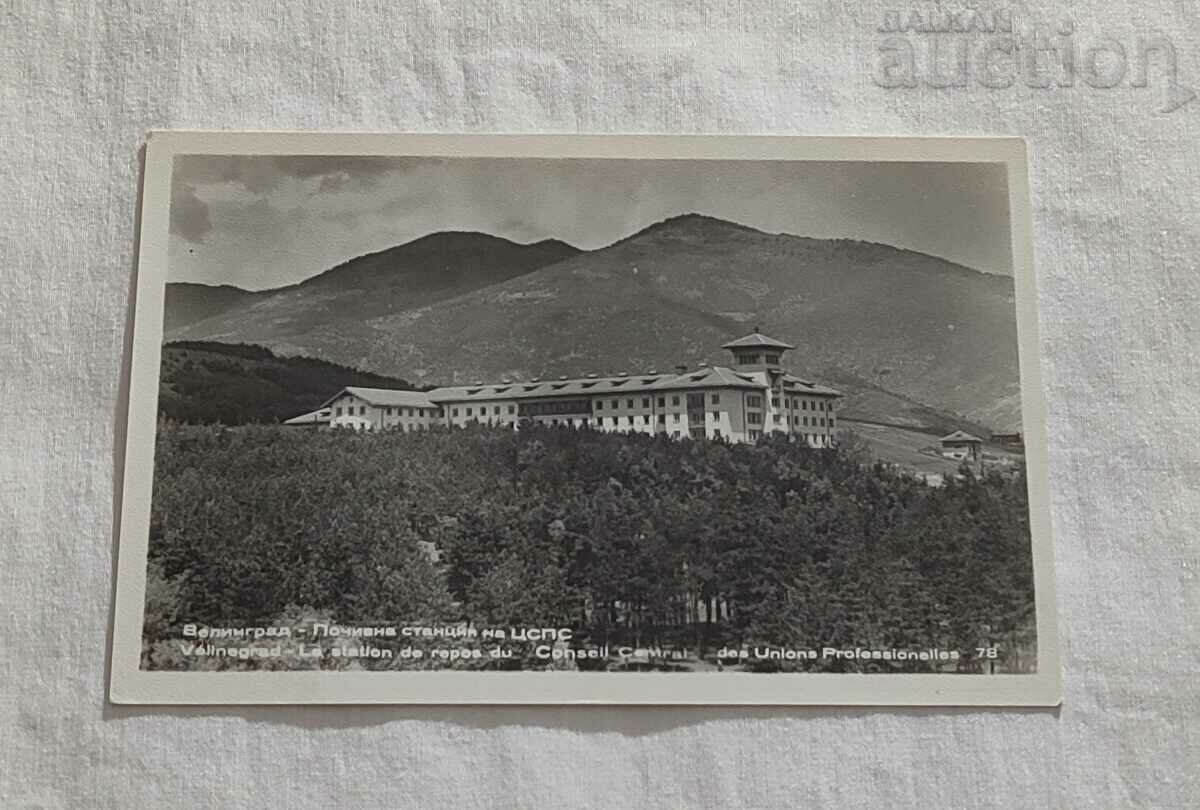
235, 384
333, 304
900, 332
188, 303
864, 316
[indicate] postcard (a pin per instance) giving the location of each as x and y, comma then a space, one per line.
584, 420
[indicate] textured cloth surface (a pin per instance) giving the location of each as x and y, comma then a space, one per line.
1116, 184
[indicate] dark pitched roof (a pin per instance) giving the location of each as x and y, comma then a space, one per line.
757, 339
704, 377
385, 397
794, 385
960, 436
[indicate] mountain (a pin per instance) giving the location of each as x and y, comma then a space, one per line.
188, 303
912, 339
329, 309
234, 384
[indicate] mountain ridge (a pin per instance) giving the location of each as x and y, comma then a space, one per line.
923, 328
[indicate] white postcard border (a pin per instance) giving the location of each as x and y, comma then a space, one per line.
131, 685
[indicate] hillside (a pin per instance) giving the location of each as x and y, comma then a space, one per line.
903, 334
324, 315
186, 303
236, 384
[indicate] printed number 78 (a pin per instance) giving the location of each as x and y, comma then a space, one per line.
987, 652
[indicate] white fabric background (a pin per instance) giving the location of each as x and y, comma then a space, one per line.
1116, 196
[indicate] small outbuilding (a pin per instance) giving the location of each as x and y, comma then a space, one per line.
962, 446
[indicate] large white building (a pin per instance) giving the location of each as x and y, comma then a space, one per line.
741, 402
380, 408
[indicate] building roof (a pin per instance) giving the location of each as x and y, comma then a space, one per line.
794, 385
386, 397
703, 377
317, 417
756, 340
960, 436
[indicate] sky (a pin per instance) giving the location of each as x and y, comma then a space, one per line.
259, 222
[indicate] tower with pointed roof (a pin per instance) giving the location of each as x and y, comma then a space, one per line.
757, 352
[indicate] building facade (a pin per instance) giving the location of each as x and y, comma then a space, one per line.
381, 409
754, 396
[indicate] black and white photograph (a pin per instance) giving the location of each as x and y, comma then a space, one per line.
658, 420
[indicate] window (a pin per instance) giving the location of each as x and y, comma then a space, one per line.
774, 402
755, 434
496, 410
645, 402
387, 411
674, 417
804, 405
831, 421
646, 419
773, 359
468, 411
616, 403
778, 418
806, 421
599, 404
629, 403
754, 418
337, 411
822, 421
454, 411
754, 401
716, 399
662, 418
675, 400
512, 409
362, 410
662, 402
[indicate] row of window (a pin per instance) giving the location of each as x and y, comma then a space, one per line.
413, 411
754, 358
533, 409
405, 428
362, 411
483, 411
694, 400
798, 403
815, 439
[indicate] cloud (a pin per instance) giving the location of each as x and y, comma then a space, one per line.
189, 214
275, 220
264, 175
